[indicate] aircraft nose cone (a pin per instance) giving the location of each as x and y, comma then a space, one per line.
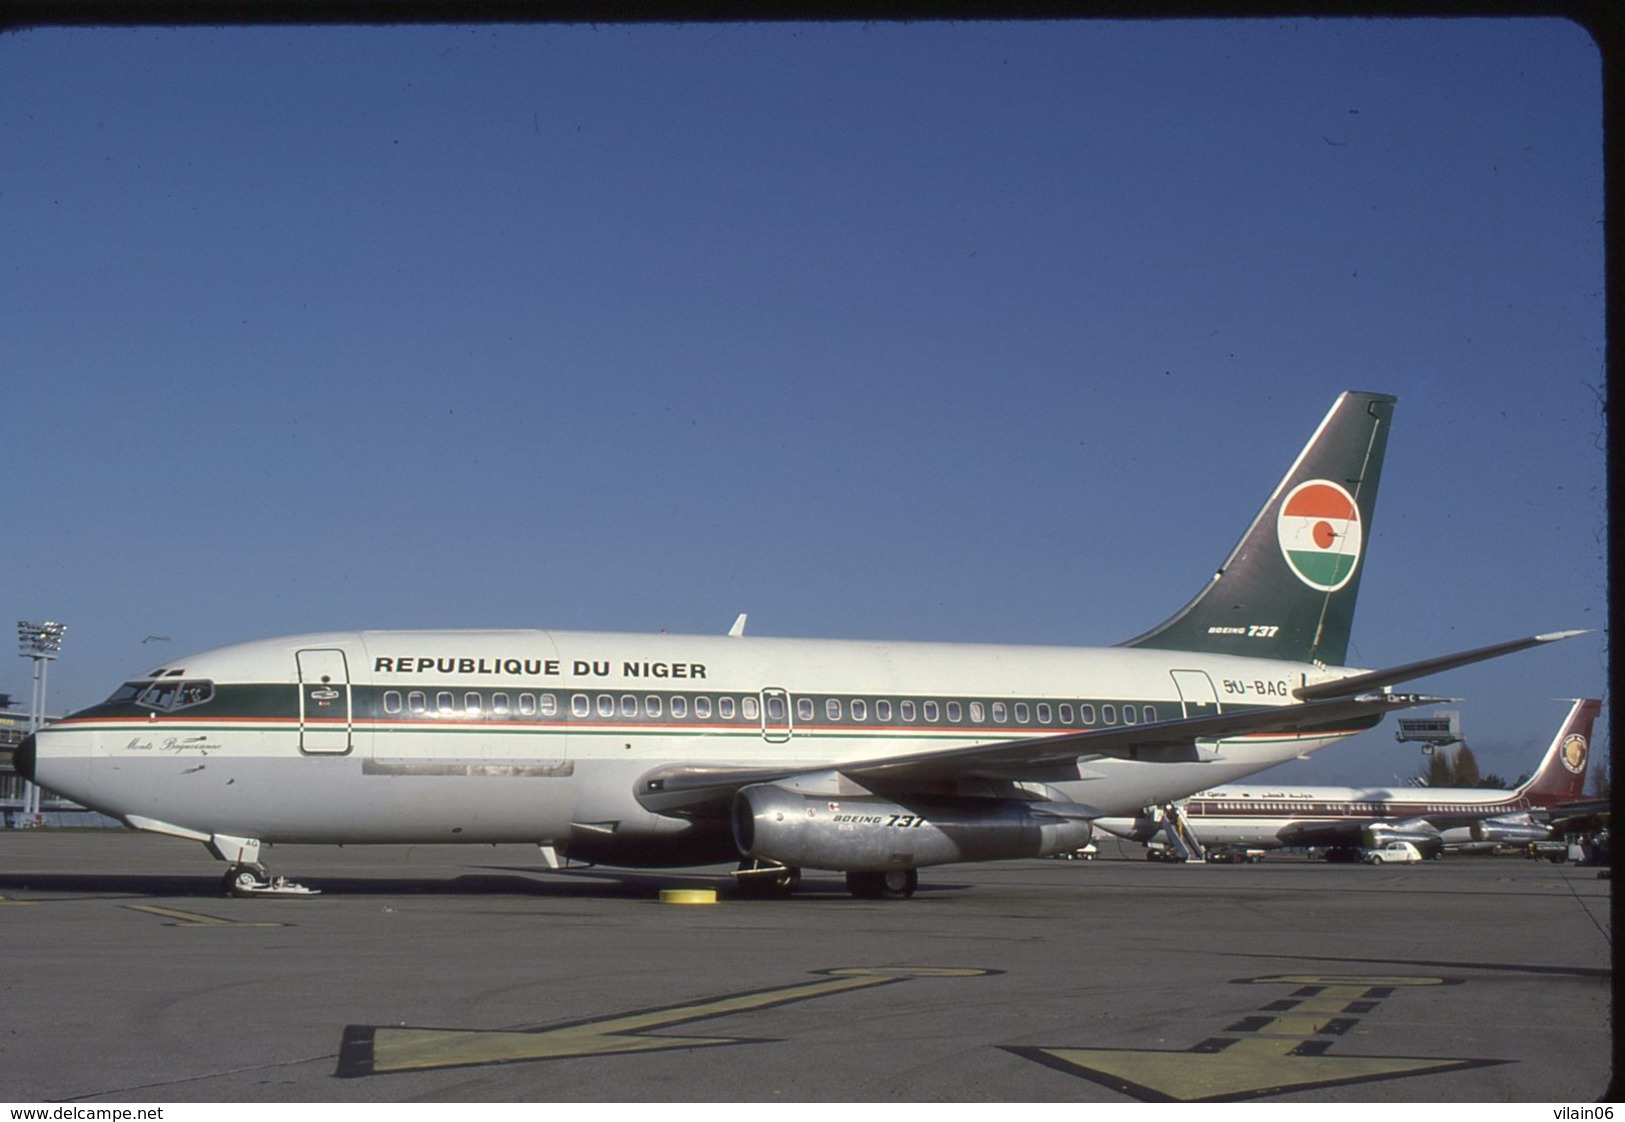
23, 758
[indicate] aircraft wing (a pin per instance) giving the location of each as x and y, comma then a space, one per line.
705, 791
1040, 758
1345, 705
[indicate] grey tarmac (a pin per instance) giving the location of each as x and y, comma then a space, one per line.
463, 973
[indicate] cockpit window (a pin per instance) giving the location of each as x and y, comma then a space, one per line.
166, 695
129, 691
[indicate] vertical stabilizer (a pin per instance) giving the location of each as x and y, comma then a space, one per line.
1288, 588
1561, 776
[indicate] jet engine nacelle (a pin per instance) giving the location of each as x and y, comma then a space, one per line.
1142, 828
871, 833
1508, 830
1423, 836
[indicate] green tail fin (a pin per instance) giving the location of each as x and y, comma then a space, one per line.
1288, 588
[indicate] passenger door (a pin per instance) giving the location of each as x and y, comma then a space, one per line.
325, 725
1196, 692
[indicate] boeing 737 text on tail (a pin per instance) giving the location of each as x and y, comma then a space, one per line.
870, 758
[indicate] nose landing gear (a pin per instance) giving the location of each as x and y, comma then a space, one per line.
251, 879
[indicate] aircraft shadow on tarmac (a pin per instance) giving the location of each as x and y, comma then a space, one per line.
499, 881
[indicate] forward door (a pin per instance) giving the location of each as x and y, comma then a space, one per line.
325, 726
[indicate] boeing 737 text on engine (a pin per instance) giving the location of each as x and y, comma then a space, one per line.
870, 758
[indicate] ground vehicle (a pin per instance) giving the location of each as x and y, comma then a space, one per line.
1086, 853
1234, 855
1396, 852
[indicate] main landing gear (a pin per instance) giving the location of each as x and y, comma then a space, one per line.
887, 884
769, 880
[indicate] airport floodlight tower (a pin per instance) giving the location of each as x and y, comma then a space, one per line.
41, 642
1439, 730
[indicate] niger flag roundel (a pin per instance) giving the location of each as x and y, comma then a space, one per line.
1319, 531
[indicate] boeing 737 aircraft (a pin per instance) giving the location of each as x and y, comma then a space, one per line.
1349, 817
871, 758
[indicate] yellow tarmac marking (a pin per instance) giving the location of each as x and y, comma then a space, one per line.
377, 1050
1260, 1055
194, 919
4, 900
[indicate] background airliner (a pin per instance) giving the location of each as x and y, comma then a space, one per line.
870, 758
1429, 817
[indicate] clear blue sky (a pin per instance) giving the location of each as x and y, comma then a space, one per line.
977, 331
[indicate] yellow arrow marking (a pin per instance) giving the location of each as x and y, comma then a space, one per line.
370, 1050
194, 919
1277, 1054
1247, 1069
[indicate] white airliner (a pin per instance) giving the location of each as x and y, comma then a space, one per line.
870, 758
1269, 816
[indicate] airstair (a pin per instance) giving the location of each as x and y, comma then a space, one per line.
1182, 841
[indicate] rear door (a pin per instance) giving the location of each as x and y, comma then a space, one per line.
1196, 693
325, 726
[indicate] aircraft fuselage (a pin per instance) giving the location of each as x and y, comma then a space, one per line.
541, 736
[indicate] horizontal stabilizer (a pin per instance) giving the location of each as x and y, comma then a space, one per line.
1378, 679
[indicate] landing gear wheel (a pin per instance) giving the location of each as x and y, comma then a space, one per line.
241, 880
890, 884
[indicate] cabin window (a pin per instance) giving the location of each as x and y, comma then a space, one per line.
750, 708
1150, 712
883, 711
1064, 711
549, 705
606, 705
978, 713
629, 705
418, 702
1108, 714
473, 703
499, 704
860, 710
1130, 717
652, 706
805, 710
445, 701
580, 706
1023, 713
832, 708
392, 701
931, 711
679, 707
1046, 715
702, 708
725, 708
1086, 714
1001, 713
956, 711
776, 711
906, 710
